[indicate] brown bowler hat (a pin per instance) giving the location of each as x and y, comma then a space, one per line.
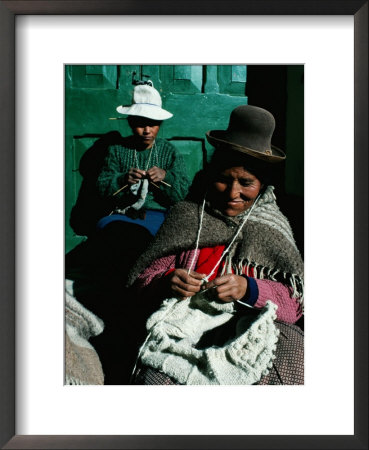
250, 132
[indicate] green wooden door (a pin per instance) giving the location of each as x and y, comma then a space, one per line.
200, 98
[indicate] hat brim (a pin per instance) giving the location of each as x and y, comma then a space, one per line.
217, 139
145, 110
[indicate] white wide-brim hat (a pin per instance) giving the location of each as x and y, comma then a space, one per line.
146, 102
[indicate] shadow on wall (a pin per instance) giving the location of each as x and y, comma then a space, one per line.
89, 207
280, 90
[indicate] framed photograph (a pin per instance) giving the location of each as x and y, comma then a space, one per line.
107, 228
329, 40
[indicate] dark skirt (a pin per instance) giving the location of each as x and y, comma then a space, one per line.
288, 367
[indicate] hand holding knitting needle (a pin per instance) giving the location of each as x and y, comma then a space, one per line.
134, 175
156, 175
183, 284
227, 288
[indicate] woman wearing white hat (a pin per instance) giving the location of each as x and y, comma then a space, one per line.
144, 174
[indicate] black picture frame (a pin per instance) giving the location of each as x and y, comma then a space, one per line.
8, 11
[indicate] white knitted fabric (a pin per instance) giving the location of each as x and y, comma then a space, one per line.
177, 327
80, 323
140, 190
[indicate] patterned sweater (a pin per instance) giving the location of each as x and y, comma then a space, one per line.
122, 157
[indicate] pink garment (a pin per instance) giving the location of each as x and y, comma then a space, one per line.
150, 283
289, 309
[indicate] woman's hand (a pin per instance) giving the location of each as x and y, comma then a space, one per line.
227, 288
155, 174
184, 284
135, 175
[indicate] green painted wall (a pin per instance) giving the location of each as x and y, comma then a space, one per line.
200, 97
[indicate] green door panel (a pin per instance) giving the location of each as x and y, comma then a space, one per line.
96, 76
193, 154
199, 113
89, 111
232, 79
181, 79
211, 84
126, 74
200, 97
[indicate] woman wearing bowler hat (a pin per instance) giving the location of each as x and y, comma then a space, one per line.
226, 272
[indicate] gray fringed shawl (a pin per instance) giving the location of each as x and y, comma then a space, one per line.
265, 243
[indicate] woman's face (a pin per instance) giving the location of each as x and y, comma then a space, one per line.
234, 190
145, 130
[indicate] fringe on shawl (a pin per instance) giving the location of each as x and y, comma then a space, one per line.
252, 268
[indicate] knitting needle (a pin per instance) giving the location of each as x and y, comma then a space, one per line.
160, 182
119, 190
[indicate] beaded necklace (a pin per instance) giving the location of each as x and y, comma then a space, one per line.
152, 151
